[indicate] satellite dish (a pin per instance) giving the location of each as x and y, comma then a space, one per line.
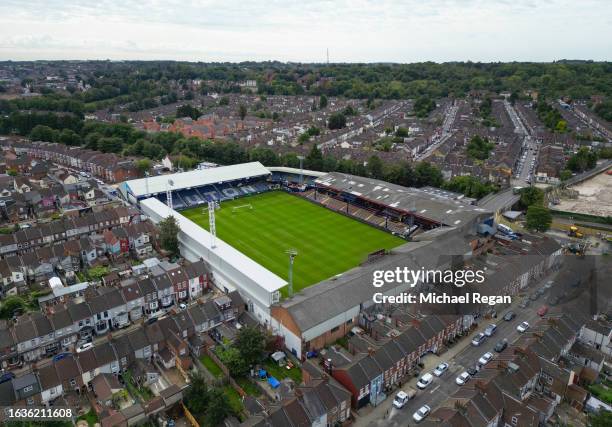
170, 183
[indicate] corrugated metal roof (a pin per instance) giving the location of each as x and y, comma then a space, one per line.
195, 178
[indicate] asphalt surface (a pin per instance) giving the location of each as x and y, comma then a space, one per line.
461, 356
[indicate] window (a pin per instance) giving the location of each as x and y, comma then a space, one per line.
514, 421
334, 329
30, 401
73, 382
28, 389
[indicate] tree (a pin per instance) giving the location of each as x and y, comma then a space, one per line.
323, 101
10, 305
538, 218
234, 361
218, 408
250, 342
565, 174
336, 121
168, 235
479, 148
242, 111
208, 404
531, 196
583, 160
401, 132
143, 165
375, 167
423, 106
188, 111
601, 418
43, 133
314, 159
224, 101
427, 174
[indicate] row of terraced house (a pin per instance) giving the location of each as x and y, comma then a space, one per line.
108, 166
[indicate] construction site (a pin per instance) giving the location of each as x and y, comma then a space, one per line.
590, 197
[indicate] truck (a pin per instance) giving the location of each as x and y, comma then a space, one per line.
574, 232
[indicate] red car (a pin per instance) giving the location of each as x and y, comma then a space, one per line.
542, 310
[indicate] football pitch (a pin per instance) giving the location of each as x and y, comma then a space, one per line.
265, 226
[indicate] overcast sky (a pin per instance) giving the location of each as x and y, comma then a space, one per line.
302, 30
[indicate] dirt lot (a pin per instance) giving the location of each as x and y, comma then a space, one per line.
595, 197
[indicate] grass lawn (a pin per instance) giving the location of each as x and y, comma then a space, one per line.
211, 366
235, 402
281, 372
327, 243
90, 417
602, 392
248, 386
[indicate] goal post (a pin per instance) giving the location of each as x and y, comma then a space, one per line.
247, 207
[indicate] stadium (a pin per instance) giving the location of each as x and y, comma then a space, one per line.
266, 219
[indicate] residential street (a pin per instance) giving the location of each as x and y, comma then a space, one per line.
461, 356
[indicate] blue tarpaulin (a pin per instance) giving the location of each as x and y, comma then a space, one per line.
273, 382
262, 374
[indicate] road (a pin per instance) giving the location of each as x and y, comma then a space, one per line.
449, 120
527, 163
460, 357
499, 201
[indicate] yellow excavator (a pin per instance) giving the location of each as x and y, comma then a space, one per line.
574, 232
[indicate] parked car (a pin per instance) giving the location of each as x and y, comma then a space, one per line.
425, 381
534, 296
402, 397
554, 300
84, 347
549, 285
490, 330
522, 327
462, 378
542, 310
478, 339
509, 316
6, 377
486, 358
501, 346
440, 369
420, 415
473, 370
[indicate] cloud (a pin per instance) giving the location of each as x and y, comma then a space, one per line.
356, 30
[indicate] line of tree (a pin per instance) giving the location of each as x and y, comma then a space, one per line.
124, 138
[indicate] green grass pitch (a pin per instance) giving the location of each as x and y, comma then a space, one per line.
327, 243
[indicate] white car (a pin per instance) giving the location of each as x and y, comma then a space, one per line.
84, 347
440, 369
486, 358
401, 398
522, 327
420, 415
462, 378
424, 381
490, 330
478, 339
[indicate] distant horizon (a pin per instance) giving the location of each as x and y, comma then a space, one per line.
363, 31
466, 61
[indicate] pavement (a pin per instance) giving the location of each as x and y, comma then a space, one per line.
460, 356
